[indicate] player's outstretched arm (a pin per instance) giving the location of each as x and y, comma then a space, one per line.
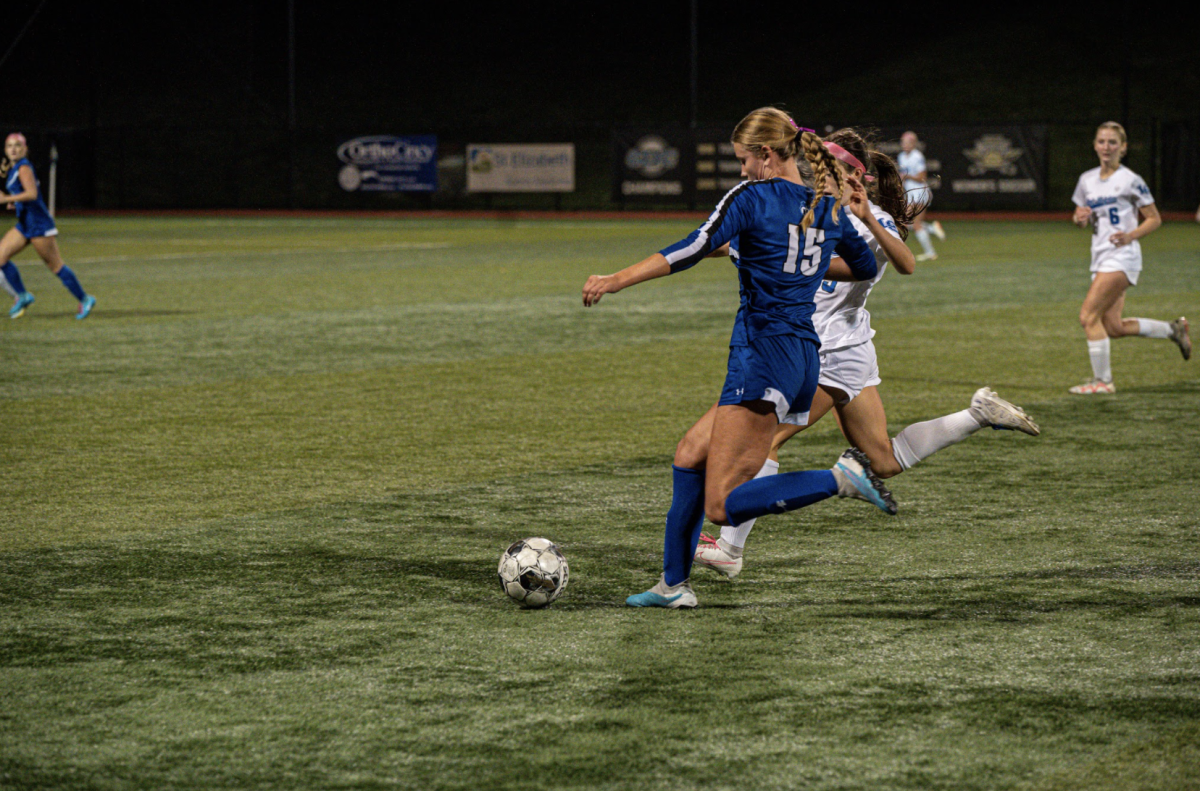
599, 285
902, 258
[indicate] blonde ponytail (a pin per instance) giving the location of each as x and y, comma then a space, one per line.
823, 165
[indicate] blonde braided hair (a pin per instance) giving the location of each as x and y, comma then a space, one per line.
767, 127
823, 164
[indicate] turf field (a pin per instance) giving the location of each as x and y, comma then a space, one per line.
252, 509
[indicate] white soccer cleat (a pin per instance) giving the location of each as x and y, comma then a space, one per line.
1179, 334
857, 480
672, 597
926, 256
711, 554
1094, 387
937, 229
992, 410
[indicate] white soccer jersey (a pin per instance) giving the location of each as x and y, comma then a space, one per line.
841, 318
1114, 203
911, 163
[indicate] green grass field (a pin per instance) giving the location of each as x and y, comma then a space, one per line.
252, 509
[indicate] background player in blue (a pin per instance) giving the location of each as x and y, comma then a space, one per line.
780, 237
34, 226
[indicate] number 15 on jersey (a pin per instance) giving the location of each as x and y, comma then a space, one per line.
811, 262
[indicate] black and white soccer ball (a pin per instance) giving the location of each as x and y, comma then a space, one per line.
533, 572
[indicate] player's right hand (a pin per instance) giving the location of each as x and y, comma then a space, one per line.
596, 287
1082, 215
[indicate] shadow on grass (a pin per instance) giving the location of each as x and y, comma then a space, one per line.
103, 314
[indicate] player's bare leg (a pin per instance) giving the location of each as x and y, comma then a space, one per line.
47, 248
922, 234
692, 450
11, 243
1101, 311
864, 423
740, 443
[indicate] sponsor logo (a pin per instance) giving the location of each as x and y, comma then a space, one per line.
993, 152
652, 157
651, 188
350, 178
384, 150
482, 161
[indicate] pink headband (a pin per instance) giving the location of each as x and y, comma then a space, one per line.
16, 136
842, 154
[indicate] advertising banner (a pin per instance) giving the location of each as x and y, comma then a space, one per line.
980, 167
717, 169
383, 163
654, 166
524, 167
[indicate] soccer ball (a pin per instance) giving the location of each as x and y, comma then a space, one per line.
533, 572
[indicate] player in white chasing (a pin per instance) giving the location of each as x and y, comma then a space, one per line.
849, 371
1110, 197
916, 185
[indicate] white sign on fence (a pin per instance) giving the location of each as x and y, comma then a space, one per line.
523, 167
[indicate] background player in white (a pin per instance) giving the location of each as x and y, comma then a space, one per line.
916, 185
849, 371
1111, 197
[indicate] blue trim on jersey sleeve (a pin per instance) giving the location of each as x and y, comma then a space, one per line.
855, 251
731, 216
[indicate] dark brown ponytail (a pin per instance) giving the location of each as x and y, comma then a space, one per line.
891, 195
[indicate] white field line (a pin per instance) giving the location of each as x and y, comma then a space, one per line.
289, 251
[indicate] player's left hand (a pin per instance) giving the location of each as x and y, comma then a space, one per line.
1120, 239
596, 287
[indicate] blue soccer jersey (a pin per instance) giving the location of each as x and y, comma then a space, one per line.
33, 218
779, 266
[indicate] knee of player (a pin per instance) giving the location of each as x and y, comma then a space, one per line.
691, 452
715, 511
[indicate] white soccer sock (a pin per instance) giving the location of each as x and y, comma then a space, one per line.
4, 282
1153, 328
1101, 354
923, 239
735, 535
922, 440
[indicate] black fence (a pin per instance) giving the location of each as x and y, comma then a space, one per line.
268, 167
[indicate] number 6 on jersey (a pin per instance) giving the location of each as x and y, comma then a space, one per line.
813, 239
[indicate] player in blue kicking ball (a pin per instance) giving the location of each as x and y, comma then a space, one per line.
780, 236
34, 227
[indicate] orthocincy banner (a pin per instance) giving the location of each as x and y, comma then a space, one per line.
382, 163
523, 167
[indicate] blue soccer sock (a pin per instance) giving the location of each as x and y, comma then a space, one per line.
683, 524
68, 279
13, 276
779, 493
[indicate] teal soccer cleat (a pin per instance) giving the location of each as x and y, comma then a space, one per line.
85, 307
856, 479
18, 308
673, 597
